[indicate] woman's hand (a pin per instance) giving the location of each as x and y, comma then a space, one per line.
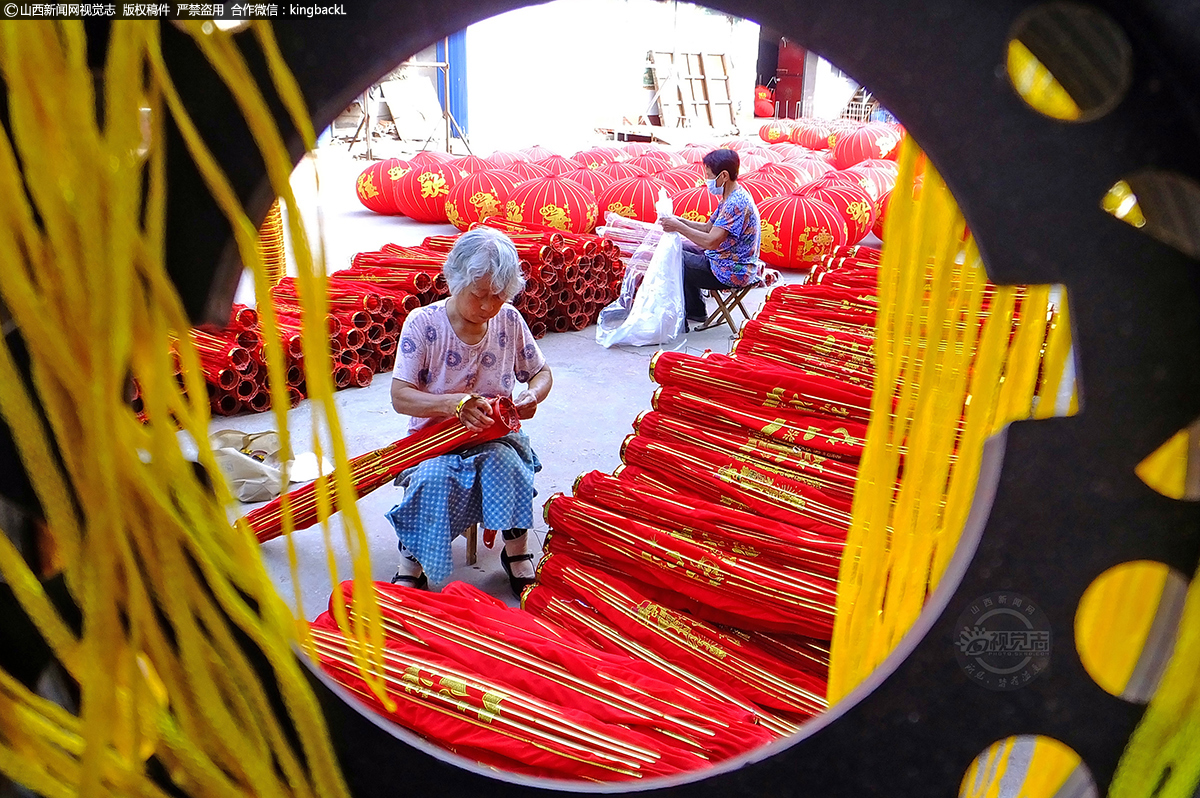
474, 411
671, 224
526, 403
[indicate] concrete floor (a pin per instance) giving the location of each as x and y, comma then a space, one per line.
597, 394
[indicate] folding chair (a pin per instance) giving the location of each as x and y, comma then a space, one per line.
730, 298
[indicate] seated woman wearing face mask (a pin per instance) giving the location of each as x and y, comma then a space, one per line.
722, 252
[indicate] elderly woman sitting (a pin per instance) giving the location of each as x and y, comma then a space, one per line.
452, 354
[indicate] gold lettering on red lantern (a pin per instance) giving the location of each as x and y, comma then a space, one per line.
556, 217
432, 184
623, 210
768, 238
513, 211
487, 204
366, 186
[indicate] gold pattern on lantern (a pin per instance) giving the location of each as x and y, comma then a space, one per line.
454, 217
832, 139
366, 186
622, 210
513, 211
886, 142
693, 216
556, 217
397, 172
487, 204
813, 240
859, 212
769, 238
433, 184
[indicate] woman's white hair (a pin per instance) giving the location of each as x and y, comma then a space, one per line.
486, 255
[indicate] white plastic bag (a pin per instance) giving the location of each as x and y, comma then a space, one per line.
652, 312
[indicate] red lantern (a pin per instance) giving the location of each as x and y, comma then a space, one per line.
787, 149
431, 158
422, 192
812, 167
510, 175
537, 152
478, 196
636, 148
865, 143
763, 152
633, 198
811, 134
852, 201
776, 131
528, 171
553, 201
875, 179
797, 231
621, 171
650, 164
374, 186
748, 162
790, 174
695, 204
593, 159
763, 93
391, 183
593, 180
469, 164
671, 159
764, 108
694, 153
877, 228
681, 179
765, 187
556, 164
501, 159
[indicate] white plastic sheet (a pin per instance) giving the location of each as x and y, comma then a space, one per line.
650, 309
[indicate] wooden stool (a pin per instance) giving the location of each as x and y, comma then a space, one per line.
472, 536
730, 298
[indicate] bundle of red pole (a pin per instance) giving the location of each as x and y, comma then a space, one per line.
371, 470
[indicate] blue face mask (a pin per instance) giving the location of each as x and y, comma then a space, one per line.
713, 188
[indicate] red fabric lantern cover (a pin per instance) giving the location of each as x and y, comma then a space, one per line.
812, 167
737, 145
790, 174
621, 170
671, 159
502, 159
528, 171
422, 192
537, 152
810, 134
776, 131
636, 148
764, 152
593, 180
633, 198
650, 164
852, 201
764, 93
391, 184
556, 164
431, 158
553, 201
509, 174
765, 187
469, 164
594, 158
787, 148
695, 204
748, 162
797, 231
694, 153
374, 188
478, 196
877, 228
865, 143
681, 179
875, 179
764, 108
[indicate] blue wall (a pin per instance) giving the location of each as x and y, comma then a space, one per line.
458, 78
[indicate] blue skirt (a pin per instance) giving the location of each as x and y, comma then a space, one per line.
490, 484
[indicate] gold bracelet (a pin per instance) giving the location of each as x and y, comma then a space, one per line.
461, 403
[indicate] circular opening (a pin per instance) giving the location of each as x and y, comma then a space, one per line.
1126, 624
1028, 765
1069, 61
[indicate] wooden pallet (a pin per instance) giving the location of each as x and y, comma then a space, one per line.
693, 89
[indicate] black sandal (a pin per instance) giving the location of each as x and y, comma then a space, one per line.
419, 582
517, 583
